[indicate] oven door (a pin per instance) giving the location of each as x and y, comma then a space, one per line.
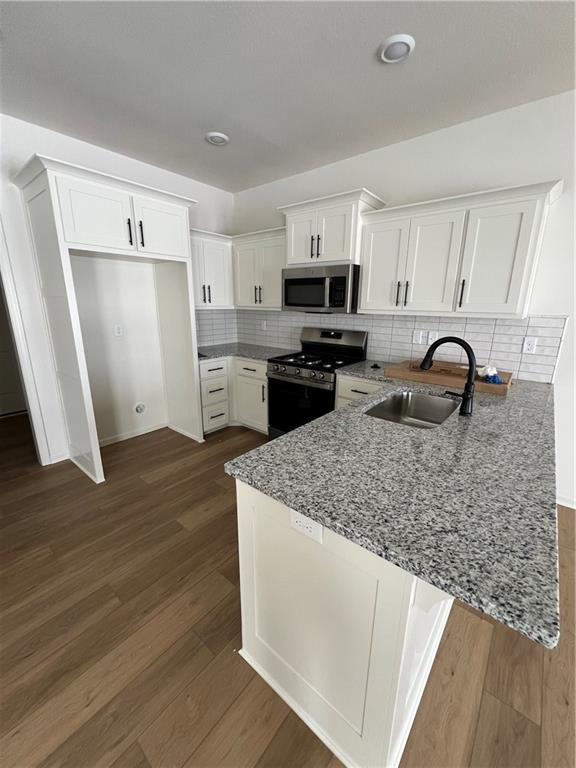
294, 403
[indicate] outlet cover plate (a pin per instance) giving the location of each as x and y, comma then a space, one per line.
529, 345
307, 527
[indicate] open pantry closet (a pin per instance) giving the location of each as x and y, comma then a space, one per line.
113, 261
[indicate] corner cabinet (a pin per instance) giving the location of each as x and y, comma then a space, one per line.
473, 255
327, 229
212, 270
259, 259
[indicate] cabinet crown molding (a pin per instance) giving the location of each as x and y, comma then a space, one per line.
361, 195
548, 191
40, 163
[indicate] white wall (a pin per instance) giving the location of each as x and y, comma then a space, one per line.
19, 141
527, 144
124, 369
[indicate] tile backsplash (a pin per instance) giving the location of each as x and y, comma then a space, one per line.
402, 337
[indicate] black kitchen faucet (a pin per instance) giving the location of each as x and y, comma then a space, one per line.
468, 394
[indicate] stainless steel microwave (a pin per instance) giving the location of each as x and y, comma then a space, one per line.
321, 289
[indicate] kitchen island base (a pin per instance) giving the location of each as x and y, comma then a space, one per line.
344, 637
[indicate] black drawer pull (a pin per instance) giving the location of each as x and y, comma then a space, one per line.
462, 293
255, 295
217, 415
398, 292
406, 293
318, 247
259, 294
204, 294
141, 233
359, 392
211, 391
215, 369
249, 369
263, 393
209, 295
131, 241
312, 247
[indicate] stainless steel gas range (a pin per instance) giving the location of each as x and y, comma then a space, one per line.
302, 385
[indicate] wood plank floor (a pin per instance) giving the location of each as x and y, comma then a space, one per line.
120, 624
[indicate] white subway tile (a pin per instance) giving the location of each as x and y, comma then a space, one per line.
540, 330
547, 322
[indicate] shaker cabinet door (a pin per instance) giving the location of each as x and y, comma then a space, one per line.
218, 274
383, 260
301, 232
497, 250
251, 402
335, 233
245, 277
161, 228
432, 266
271, 261
95, 215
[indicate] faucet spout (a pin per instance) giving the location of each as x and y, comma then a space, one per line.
468, 394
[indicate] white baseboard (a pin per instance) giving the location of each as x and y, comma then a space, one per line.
314, 727
132, 433
564, 501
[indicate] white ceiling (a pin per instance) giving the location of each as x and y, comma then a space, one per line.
295, 84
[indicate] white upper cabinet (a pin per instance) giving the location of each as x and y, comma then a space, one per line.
258, 264
498, 246
161, 227
212, 270
95, 215
474, 254
327, 229
433, 256
384, 255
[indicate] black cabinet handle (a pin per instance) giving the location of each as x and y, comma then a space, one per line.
209, 295
406, 293
398, 292
211, 391
359, 392
255, 295
141, 233
130, 239
217, 415
461, 299
312, 247
259, 294
318, 247
215, 369
204, 294
249, 369
263, 393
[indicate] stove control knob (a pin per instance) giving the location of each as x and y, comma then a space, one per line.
297, 371
320, 375
276, 368
312, 374
283, 369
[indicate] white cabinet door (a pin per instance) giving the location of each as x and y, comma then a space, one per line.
162, 228
218, 274
497, 249
245, 275
335, 233
383, 259
271, 261
251, 402
301, 232
95, 215
433, 256
198, 276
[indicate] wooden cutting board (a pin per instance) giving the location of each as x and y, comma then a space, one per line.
452, 375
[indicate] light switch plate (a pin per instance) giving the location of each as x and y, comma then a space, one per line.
529, 345
416, 337
118, 330
308, 527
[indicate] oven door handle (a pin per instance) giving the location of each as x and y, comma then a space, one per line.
302, 382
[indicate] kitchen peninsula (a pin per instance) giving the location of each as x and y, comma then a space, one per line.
356, 534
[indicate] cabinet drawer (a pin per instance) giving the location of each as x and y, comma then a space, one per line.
354, 389
215, 416
209, 369
214, 390
250, 368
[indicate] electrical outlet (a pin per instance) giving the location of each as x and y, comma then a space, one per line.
416, 337
432, 336
308, 527
118, 330
530, 344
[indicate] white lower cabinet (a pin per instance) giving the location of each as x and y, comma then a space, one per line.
349, 389
251, 394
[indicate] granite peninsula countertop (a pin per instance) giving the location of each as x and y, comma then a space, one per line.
468, 506
365, 370
238, 349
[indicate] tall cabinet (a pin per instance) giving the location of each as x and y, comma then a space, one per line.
76, 212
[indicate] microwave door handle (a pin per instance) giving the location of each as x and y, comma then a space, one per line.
327, 284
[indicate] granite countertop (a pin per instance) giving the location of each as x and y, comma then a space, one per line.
468, 506
237, 349
364, 370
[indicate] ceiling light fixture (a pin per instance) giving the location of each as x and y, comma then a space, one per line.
396, 48
217, 139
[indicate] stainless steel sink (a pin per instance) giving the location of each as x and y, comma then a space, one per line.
415, 409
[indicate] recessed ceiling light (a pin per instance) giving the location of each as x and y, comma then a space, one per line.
396, 48
216, 138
